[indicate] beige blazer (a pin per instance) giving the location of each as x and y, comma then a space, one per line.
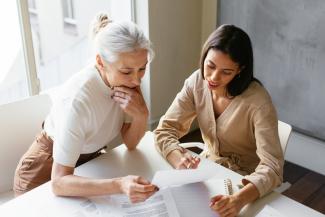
243, 138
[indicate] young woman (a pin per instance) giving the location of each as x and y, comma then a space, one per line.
236, 117
100, 106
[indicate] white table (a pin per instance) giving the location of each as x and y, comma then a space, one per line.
144, 161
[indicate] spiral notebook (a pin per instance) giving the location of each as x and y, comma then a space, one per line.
219, 186
194, 199
193, 189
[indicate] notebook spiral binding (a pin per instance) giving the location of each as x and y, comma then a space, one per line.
228, 186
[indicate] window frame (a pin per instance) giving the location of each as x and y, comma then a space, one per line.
68, 12
32, 8
33, 82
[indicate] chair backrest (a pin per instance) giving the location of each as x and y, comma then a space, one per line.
284, 134
20, 122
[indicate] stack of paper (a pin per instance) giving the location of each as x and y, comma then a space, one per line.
182, 193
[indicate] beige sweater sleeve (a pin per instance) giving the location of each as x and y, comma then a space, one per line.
177, 120
269, 172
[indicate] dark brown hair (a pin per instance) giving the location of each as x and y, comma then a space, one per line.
233, 41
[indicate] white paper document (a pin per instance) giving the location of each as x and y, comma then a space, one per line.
160, 204
268, 211
190, 200
168, 178
193, 200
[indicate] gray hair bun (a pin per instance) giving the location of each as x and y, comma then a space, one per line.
101, 21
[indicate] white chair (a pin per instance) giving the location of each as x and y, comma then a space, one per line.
284, 134
20, 122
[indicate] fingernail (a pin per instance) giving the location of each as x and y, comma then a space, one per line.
156, 188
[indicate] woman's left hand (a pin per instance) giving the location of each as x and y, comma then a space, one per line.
131, 101
226, 205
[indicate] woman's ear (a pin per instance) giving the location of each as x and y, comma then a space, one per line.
99, 62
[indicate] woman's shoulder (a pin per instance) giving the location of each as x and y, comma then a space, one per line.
195, 80
256, 95
79, 80
78, 88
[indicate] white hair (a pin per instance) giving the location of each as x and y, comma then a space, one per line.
112, 38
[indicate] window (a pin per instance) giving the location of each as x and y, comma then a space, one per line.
50, 55
13, 82
32, 7
68, 11
59, 55
69, 19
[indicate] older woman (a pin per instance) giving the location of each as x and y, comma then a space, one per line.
100, 106
236, 117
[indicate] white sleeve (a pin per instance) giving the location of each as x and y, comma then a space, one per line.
71, 133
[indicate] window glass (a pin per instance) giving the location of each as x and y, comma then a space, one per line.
60, 35
13, 79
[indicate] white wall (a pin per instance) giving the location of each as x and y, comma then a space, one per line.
175, 28
209, 18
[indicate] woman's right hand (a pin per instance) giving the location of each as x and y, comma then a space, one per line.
137, 188
183, 159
